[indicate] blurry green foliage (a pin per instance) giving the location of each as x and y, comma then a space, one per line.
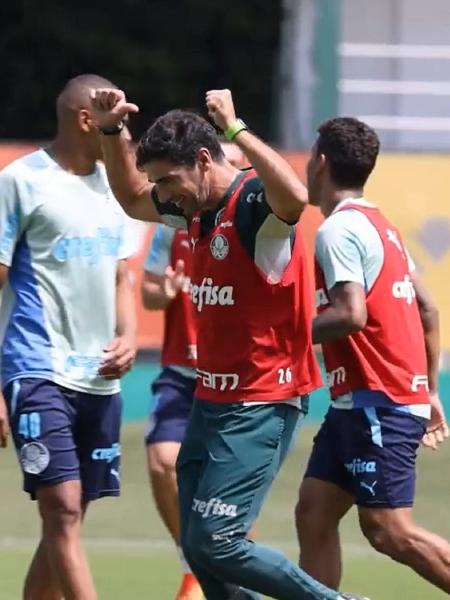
164, 53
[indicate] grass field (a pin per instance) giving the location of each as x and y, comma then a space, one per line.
132, 558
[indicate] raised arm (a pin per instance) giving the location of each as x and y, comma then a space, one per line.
285, 193
130, 186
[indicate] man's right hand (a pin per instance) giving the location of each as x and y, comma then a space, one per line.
109, 107
174, 280
4, 423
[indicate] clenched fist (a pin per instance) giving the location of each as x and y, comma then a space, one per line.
110, 106
221, 108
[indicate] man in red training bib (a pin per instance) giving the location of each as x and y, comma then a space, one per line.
255, 363
166, 286
380, 338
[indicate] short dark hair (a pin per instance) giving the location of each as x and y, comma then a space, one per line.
76, 94
177, 136
351, 148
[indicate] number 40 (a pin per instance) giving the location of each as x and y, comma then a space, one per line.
30, 425
284, 376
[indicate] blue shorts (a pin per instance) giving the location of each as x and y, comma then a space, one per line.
370, 453
173, 394
63, 435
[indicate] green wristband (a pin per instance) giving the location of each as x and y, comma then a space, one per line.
236, 128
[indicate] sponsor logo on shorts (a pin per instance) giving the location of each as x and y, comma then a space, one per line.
115, 473
404, 290
214, 506
218, 381
219, 247
336, 376
107, 454
34, 458
210, 294
358, 465
222, 537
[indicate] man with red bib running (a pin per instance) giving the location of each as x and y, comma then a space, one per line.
255, 363
380, 338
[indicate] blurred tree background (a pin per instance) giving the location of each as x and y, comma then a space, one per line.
163, 53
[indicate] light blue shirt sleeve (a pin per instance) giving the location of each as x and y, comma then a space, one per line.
159, 254
349, 249
340, 253
11, 221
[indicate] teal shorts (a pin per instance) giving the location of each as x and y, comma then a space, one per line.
228, 460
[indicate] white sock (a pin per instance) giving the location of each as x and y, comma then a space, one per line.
184, 564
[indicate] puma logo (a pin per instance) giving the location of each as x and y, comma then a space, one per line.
368, 487
115, 474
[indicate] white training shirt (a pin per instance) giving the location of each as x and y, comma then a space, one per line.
61, 235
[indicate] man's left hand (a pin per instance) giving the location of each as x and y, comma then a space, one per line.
118, 358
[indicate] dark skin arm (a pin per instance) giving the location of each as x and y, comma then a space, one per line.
429, 315
346, 314
437, 430
120, 353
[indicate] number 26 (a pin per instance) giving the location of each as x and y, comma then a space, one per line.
284, 376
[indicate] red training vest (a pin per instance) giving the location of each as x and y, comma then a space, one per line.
254, 337
179, 345
389, 353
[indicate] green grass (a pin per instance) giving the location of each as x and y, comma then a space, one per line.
132, 558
